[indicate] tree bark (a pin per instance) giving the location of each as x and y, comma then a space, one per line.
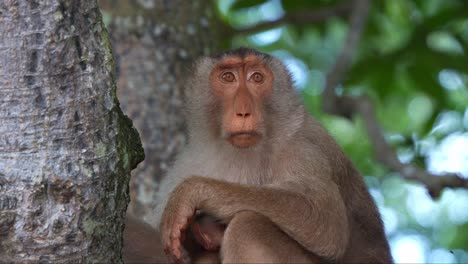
155, 42
66, 149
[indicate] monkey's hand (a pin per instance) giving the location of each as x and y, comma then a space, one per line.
177, 217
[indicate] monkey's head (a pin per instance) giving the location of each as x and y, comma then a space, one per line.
233, 95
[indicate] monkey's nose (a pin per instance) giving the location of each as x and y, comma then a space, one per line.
243, 114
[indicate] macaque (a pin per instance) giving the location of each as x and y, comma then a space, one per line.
275, 186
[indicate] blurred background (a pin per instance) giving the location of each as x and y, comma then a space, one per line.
406, 58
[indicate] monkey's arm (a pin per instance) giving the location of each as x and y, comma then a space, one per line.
316, 220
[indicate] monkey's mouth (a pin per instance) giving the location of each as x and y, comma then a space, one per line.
244, 139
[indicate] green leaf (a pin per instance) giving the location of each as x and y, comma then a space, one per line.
444, 42
461, 238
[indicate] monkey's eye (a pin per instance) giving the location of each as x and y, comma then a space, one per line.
228, 77
257, 77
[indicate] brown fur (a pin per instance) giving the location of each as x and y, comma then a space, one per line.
142, 243
289, 195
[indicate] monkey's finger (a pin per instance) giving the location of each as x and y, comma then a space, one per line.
175, 233
175, 248
168, 238
179, 256
176, 253
165, 232
183, 257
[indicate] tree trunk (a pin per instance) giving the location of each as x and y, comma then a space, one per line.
66, 149
155, 42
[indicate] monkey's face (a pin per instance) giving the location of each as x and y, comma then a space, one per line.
241, 85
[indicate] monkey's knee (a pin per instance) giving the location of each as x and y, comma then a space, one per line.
253, 238
242, 239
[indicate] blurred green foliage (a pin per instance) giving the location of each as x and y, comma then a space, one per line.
412, 61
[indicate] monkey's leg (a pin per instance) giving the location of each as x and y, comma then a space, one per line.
142, 243
253, 238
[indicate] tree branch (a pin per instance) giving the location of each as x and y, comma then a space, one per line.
387, 156
335, 76
300, 17
346, 106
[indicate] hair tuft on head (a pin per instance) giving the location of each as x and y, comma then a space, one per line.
241, 52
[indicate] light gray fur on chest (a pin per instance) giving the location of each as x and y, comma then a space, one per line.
233, 166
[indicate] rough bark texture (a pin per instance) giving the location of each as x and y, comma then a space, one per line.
66, 149
155, 42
